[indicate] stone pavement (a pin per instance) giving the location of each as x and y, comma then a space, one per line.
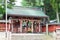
49, 37
32, 37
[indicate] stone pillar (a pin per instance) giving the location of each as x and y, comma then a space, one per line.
47, 29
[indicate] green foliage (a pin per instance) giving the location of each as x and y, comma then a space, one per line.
3, 6
0, 1
10, 4
49, 10
32, 3
12, 1
2, 9
55, 5
25, 3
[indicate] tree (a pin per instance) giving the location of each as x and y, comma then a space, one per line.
28, 3
32, 3
55, 6
10, 3
49, 10
2, 8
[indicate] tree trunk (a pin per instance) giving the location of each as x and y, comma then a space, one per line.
57, 15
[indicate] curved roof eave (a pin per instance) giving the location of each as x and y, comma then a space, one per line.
26, 12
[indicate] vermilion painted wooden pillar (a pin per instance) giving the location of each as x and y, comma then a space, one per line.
32, 25
20, 25
9, 24
39, 27
12, 25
